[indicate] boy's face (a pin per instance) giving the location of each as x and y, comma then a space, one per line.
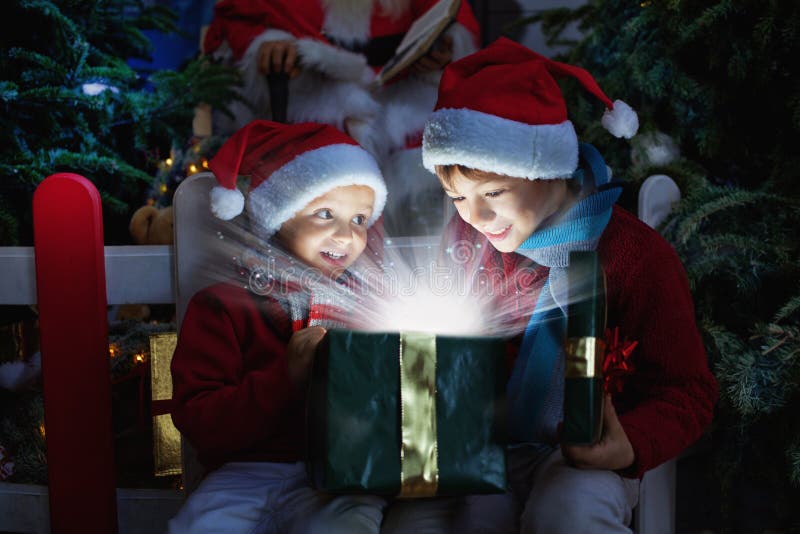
506, 210
331, 231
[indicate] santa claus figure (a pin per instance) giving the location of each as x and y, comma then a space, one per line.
332, 50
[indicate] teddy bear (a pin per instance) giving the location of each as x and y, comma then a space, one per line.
149, 226
152, 226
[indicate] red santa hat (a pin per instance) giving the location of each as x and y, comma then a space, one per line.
289, 166
500, 110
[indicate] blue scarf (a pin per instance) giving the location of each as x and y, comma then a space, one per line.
533, 390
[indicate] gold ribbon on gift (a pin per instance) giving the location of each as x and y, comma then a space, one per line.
419, 469
166, 438
584, 357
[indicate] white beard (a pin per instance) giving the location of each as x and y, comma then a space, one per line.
349, 20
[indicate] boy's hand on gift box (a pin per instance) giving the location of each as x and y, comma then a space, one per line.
275, 57
613, 451
300, 353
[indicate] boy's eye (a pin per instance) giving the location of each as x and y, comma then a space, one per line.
324, 214
492, 194
360, 220
456, 199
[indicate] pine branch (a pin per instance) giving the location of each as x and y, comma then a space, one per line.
788, 309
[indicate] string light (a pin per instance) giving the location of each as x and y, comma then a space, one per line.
205, 163
139, 357
41, 429
163, 188
168, 161
113, 350
192, 168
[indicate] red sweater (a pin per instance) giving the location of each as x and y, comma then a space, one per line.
232, 397
669, 399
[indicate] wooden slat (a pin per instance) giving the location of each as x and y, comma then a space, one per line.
70, 275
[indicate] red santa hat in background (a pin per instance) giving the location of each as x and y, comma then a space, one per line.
289, 166
500, 110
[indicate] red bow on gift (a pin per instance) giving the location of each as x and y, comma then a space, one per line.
617, 361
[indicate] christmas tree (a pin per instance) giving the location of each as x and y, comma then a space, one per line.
715, 82
72, 103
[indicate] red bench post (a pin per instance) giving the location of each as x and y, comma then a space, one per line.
71, 294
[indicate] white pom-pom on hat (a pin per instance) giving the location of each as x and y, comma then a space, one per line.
621, 121
226, 203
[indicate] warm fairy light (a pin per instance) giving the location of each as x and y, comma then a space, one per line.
205, 163
41, 429
113, 350
192, 168
163, 188
139, 357
168, 161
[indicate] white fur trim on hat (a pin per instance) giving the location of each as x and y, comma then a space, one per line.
621, 121
490, 143
310, 175
226, 203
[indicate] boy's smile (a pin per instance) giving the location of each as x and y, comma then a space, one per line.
506, 210
330, 232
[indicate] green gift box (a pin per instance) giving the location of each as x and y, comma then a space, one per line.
407, 414
584, 349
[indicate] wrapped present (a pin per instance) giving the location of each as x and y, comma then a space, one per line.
407, 414
584, 349
166, 438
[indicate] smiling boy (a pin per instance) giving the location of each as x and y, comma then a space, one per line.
244, 351
505, 152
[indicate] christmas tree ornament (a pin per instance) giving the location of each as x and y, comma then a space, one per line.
653, 149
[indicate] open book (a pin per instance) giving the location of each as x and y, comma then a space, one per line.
419, 39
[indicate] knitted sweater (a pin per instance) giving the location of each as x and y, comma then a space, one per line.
232, 397
669, 399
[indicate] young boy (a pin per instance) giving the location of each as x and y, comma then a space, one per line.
245, 350
504, 151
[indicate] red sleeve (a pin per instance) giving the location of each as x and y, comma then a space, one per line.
226, 401
672, 394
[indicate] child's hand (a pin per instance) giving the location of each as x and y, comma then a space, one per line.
300, 353
613, 451
275, 57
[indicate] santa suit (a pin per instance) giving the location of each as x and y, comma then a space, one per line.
341, 45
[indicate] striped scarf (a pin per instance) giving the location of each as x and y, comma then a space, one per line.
536, 387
